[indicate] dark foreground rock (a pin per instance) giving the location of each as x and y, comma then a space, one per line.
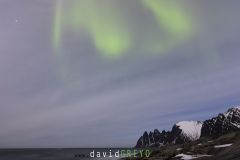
226, 147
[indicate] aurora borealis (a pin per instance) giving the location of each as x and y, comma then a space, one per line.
98, 73
113, 32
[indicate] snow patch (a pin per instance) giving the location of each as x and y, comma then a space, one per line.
236, 125
222, 146
188, 157
191, 129
237, 107
230, 111
179, 149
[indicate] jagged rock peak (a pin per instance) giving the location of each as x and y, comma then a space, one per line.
181, 132
223, 123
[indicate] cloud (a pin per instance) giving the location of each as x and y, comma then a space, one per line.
72, 96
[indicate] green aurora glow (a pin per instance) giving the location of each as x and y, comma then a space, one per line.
111, 31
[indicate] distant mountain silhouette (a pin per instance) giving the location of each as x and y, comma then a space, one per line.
188, 131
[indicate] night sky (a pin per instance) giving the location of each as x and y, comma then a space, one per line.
98, 73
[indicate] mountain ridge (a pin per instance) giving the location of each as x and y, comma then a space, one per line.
188, 131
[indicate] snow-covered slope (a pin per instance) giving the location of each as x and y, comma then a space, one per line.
190, 129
